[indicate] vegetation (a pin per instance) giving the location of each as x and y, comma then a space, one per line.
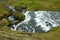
4, 22
33, 5
7, 34
3, 12
19, 16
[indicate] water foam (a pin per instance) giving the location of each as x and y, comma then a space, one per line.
39, 21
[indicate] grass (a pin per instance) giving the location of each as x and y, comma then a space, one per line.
40, 5
8, 34
3, 11
35, 4
32, 5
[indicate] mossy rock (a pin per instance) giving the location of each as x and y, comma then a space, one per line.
19, 16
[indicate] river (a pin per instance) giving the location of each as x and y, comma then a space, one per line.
38, 21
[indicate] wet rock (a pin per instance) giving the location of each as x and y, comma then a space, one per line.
12, 10
11, 19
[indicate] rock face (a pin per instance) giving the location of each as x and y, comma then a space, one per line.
39, 21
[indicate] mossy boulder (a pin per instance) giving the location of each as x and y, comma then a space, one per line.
19, 16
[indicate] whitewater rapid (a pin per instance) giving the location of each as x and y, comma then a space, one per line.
38, 21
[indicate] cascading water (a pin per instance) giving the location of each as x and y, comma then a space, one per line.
38, 21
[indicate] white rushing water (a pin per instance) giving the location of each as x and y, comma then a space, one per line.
38, 21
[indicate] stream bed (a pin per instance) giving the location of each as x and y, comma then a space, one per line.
38, 21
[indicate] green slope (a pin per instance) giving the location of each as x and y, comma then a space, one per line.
35, 4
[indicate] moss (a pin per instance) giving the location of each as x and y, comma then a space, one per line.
19, 16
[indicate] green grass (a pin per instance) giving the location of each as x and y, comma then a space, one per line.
32, 5
35, 4
7, 34
40, 5
3, 11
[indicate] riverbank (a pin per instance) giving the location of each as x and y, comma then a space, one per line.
53, 5
7, 34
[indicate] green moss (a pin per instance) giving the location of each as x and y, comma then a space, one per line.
19, 16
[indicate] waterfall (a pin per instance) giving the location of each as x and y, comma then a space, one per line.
38, 21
